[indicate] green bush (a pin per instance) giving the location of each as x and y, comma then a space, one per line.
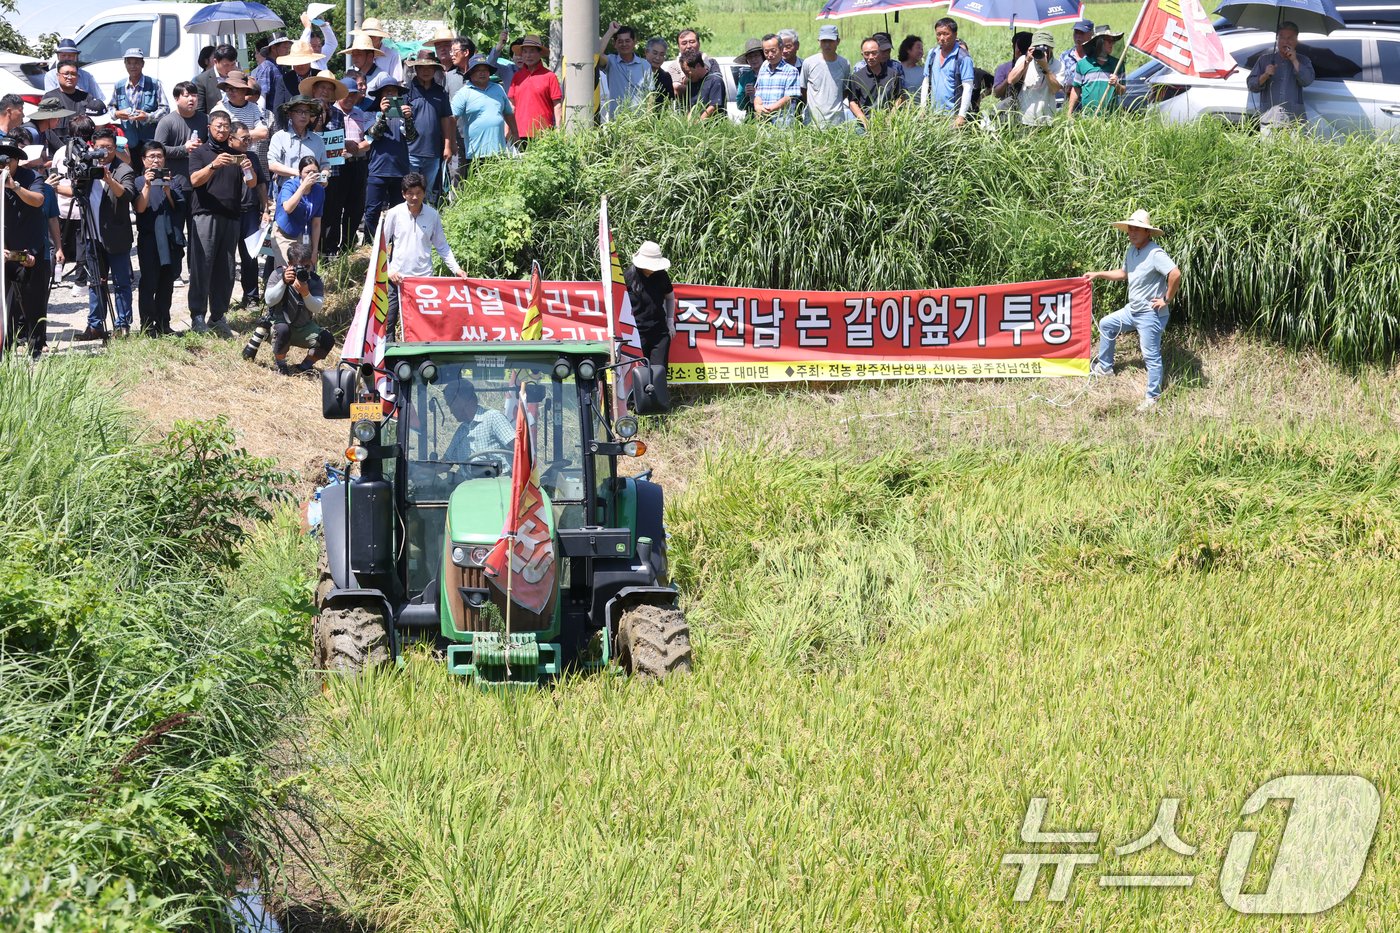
143, 674
1288, 236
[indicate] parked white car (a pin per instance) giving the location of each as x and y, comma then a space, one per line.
157, 29
22, 75
1357, 89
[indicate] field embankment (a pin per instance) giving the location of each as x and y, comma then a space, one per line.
915, 607
151, 649
1287, 237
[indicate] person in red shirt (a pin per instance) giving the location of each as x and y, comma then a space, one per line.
535, 93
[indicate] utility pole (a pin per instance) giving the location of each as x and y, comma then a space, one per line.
580, 45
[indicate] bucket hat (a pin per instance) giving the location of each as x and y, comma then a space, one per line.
479, 61
648, 256
48, 109
750, 47
308, 84
425, 59
301, 100
1140, 219
235, 80
384, 80
277, 38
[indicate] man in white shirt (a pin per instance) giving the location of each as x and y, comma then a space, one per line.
413, 230
328, 43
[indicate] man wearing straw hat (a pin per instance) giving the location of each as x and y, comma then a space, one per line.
360, 56
1153, 281
1098, 88
535, 93
297, 61
386, 59
432, 116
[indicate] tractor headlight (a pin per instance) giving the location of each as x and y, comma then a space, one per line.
428, 372
404, 371
587, 370
626, 427
562, 370
469, 556
459, 555
363, 431
479, 555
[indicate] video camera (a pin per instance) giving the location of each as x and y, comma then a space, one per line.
85, 162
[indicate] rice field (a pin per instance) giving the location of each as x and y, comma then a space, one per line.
910, 621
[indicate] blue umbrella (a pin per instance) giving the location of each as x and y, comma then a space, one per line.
1013, 13
234, 18
1318, 16
836, 9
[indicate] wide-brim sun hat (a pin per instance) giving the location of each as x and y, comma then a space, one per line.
479, 61
361, 44
307, 85
441, 34
235, 81
1141, 220
384, 80
532, 42
1104, 32
14, 153
49, 109
372, 27
276, 39
301, 54
424, 60
648, 256
299, 101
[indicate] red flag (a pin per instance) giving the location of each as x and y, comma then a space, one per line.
1179, 35
522, 565
533, 327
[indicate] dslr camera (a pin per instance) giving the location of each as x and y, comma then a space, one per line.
1040, 52
303, 273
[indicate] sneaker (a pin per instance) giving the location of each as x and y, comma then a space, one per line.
180, 281
1147, 404
221, 328
1098, 369
199, 326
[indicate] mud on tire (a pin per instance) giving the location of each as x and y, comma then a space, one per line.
653, 642
351, 637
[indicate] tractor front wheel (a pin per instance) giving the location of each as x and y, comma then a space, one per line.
653, 642
351, 637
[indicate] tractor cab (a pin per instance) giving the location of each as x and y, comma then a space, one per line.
407, 540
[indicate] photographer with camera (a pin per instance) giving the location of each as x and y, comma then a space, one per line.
294, 294
27, 266
390, 135
162, 207
1028, 82
218, 175
300, 202
102, 188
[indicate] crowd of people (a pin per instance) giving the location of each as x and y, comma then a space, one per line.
315, 143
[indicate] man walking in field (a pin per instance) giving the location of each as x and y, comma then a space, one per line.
1153, 281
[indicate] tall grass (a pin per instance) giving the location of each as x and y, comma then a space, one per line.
894, 655
1287, 236
149, 654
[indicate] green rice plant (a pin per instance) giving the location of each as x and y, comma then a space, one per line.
1289, 237
143, 677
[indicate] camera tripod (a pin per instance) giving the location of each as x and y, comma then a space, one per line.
90, 248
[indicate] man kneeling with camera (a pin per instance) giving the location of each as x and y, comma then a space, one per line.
293, 294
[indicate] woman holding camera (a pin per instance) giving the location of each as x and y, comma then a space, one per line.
162, 204
1028, 81
300, 202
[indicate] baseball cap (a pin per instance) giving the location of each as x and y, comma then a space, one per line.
829, 32
1084, 25
134, 53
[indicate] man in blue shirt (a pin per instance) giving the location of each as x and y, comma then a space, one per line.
948, 74
138, 102
778, 88
432, 117
1153, 281
629, 75
484, 112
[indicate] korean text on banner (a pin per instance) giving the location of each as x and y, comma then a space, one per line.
766, 335
1179, 35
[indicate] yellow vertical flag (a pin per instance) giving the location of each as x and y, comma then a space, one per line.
533, 327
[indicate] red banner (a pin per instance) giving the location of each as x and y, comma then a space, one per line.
1179, 35
767, 335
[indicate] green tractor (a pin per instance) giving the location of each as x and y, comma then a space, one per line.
406, 540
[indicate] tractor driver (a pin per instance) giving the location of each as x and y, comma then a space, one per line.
478, 429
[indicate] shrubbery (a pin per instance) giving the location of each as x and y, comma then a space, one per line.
142, 676
1289, 236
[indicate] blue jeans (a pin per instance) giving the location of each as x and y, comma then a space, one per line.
1149, 325
117, 267
429, 169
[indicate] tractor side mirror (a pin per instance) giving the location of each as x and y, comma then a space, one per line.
337, 392
646, 390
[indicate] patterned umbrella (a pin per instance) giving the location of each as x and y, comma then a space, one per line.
836, 9
234, 18
1029, 13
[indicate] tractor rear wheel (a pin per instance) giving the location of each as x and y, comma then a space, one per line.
653, 642
351, 637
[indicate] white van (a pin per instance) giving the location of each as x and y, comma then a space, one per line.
157, 29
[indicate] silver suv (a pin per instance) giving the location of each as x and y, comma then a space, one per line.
1357, 89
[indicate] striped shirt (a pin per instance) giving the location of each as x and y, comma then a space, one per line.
773, 85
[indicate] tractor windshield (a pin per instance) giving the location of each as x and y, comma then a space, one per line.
461, 427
